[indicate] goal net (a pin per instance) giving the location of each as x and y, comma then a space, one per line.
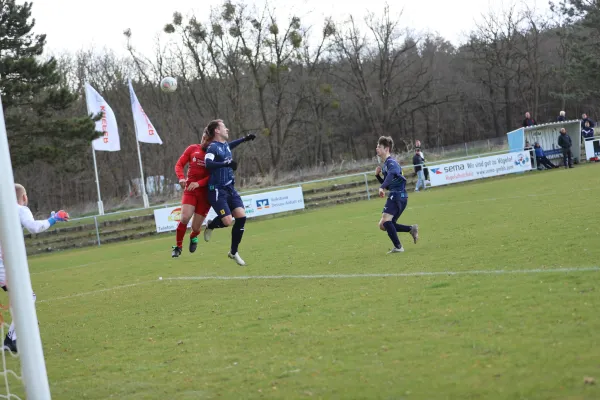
30, 354
11, 382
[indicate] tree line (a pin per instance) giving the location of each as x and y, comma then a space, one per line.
314, 96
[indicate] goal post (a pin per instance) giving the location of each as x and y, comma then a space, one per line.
33, 366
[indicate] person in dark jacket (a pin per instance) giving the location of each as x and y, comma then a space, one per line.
528, 121
588, 131
418, 163
564, 141
541, 157
561, 117
425, 169
584, 119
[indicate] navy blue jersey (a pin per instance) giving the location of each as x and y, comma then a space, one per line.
219, 154
393, 178
217, 159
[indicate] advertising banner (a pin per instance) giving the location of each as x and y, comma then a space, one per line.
478, 168
256, 205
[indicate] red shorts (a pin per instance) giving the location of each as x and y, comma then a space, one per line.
197, 198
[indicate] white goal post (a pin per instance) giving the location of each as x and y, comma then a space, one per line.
33, 366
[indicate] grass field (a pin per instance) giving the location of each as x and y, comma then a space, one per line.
474, 310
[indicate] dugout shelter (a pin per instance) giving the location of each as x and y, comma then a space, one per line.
547, 136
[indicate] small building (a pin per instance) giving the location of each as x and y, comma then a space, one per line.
547, 136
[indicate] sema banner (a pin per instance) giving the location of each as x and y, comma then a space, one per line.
478, 168
256, 205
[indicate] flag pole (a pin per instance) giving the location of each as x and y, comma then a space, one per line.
107, 125
147, 131
100, 205
143, 185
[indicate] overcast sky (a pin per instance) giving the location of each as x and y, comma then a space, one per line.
70, 26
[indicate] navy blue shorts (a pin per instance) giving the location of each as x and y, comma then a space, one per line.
223, 200
395, 204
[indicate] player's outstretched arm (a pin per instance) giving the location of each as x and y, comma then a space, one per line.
211, 164
37, 226
209, 161
237, 142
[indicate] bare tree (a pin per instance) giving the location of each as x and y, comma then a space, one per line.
494, 47
274, 54
530, 52
384, 70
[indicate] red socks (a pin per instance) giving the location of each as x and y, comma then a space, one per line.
181, 228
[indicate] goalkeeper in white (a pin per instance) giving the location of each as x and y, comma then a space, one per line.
33, 226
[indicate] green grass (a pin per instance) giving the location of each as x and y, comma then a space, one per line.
466, 336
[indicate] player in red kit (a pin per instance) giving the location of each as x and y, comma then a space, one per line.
194, 202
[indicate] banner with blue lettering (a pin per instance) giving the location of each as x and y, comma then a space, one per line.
479, 168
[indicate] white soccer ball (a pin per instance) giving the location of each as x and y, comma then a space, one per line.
168, 84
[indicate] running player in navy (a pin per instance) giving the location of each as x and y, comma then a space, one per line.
222, 195
394, 181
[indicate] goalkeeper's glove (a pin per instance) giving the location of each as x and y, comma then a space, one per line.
59, 216
250, 136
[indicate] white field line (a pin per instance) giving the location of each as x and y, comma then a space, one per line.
66, 268
333, 276
384, 275
71, 296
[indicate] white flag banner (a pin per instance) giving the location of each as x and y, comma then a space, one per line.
144, 128
107, 124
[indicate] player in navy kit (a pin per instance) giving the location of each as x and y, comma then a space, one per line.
394, 181
223, 197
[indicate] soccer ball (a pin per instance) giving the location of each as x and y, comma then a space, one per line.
168, 84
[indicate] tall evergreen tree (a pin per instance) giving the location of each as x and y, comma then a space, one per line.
34, 97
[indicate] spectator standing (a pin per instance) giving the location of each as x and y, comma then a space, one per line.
565, 143
528, 121
418, 164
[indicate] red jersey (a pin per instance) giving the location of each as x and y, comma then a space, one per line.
197, 171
